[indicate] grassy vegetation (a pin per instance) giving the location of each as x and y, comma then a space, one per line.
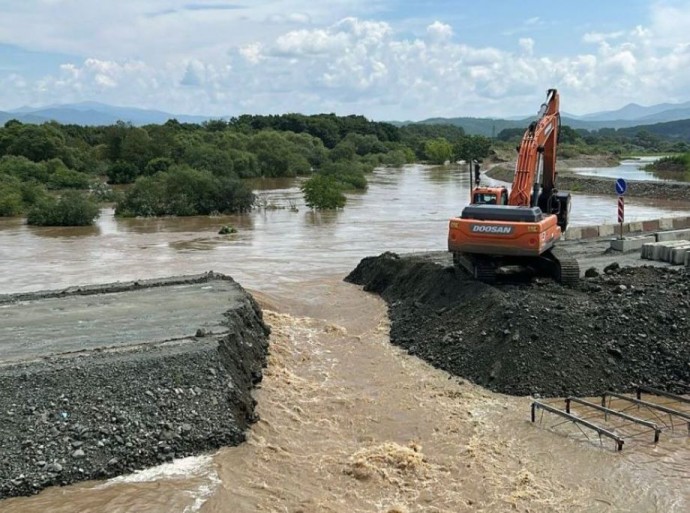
674, 167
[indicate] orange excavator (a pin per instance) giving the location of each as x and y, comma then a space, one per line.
502, 229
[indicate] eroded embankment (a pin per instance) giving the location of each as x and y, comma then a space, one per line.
574, 183
108, 411
626, 327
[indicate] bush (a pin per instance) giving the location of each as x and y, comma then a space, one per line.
10, 202
349, 174
323, 192
72, 209
122, 172
184, 191
65, 178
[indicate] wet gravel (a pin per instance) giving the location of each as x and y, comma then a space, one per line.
104, 413
616, 329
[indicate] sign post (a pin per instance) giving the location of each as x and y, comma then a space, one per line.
621, 187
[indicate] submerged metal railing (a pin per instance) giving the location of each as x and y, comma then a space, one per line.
656, 424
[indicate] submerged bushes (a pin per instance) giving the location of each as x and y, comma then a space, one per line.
72, 209
323, 192
183, 191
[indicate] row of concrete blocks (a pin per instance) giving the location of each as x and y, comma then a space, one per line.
608, 230
653, 240
676, 252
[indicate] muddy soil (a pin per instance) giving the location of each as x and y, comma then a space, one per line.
624, 327
100, 413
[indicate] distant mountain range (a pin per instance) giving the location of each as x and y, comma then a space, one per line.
629, 116
94, 113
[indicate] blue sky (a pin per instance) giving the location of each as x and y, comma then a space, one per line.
386, 59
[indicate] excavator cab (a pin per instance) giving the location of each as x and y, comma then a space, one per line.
490, 196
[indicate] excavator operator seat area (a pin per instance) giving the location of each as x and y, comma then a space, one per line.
484, 199
503, 213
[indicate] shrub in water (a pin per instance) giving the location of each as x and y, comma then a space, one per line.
72, 209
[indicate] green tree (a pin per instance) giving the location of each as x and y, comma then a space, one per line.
323, 193
72, 209
122, 172
471, 147
438, 150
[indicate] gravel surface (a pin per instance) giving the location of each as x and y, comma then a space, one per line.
619, 328
102, 413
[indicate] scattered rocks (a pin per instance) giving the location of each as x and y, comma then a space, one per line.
591, 272
106, 413
628, 325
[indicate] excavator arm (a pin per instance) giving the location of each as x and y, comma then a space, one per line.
536, 163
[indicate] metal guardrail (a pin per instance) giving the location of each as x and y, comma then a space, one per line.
651, 406
614, 413
654, 391
577, 420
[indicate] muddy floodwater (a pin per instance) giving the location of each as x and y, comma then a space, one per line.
348, 421
280, 243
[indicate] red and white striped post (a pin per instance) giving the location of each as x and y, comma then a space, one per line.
621, 187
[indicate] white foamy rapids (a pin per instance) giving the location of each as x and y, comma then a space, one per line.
194, 466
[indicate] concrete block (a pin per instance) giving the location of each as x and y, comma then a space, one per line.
673, 235
680, 223
678, 255
573, 233
666, 223
589, 232
606, 230
631, 243
648, 250
656, 251
650, 226
667, 247
635, 226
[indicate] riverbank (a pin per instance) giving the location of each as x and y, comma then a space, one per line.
578, 184
119, 377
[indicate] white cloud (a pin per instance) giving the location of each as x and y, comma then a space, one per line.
599, 37
527, 44
216, 65
440, 31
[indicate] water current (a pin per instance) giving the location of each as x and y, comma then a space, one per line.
348, 421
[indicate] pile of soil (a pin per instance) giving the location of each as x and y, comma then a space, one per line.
613, 331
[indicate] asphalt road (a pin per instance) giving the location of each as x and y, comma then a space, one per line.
44, 326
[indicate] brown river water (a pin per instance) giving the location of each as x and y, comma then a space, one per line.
348, 421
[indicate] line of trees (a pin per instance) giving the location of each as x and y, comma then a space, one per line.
187, 169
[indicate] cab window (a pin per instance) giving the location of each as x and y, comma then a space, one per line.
485, 199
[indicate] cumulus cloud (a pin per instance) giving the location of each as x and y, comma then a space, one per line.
440, 31
359, 65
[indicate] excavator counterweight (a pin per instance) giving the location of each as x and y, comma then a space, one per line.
519, 228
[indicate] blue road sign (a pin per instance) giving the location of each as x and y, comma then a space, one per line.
621, 186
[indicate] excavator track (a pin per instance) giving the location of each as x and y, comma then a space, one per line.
567, 268
478, 268
485, 272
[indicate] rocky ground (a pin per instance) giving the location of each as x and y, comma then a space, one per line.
101, 413
616, 329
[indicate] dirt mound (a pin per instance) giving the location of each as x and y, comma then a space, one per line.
628, 326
